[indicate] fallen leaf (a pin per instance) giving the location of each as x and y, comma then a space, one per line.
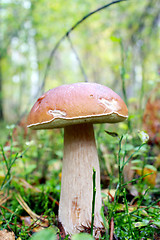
6, 235
150, 179
112, 134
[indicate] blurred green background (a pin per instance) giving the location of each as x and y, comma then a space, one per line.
117, 47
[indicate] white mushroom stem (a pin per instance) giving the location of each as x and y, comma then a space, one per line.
80, 157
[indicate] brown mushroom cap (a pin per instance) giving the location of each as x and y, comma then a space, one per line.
75, 104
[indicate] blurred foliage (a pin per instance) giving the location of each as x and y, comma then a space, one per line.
115, 46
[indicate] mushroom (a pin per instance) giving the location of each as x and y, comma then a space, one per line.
76, 107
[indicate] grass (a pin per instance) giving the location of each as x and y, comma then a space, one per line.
30, 180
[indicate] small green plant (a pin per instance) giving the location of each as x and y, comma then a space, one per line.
124, 214
93, 201
48, 234
9, 161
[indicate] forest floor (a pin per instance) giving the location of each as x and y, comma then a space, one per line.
30, 180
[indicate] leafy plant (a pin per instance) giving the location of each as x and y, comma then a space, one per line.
48, 234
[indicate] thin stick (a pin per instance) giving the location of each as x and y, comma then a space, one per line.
78, 60
123, 78
111, 229
68, 32
93, 201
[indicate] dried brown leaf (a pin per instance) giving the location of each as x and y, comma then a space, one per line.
6, 235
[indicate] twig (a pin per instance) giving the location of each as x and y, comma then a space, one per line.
123, 78
36, 218
78, 59
33, 215
111, 229
68, 32
1, 206
4, 198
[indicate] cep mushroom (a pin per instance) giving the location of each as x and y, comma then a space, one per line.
76, 108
